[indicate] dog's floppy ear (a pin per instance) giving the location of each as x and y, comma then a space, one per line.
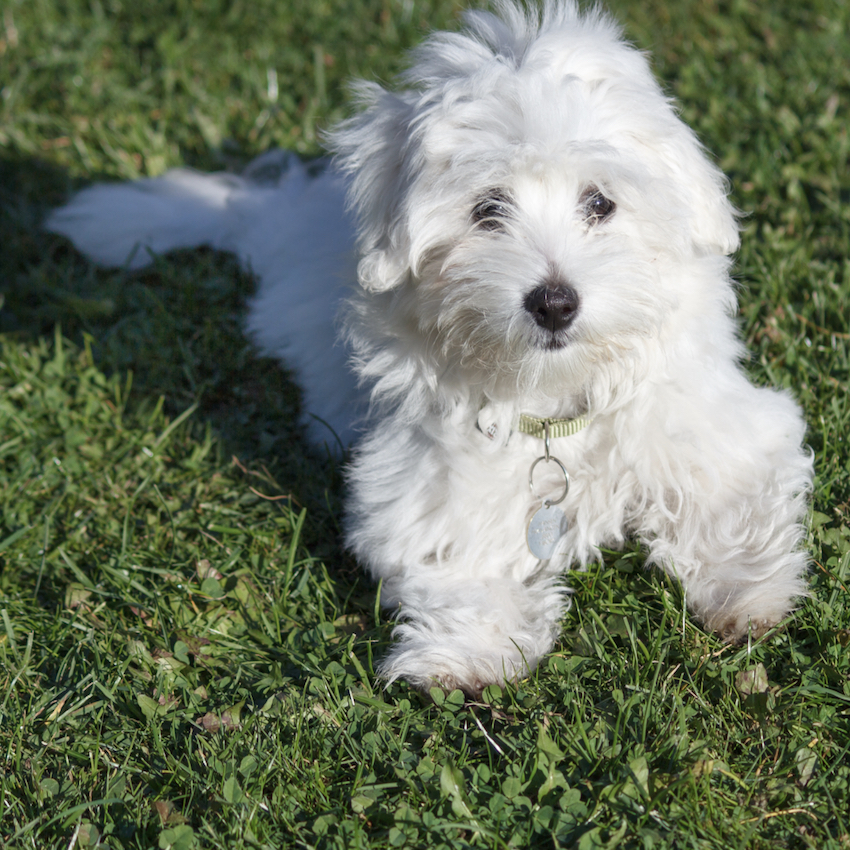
375, 148
713, 221
700, 187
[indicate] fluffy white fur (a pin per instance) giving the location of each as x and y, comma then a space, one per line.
487, 178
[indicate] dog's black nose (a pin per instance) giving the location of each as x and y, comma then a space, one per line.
553, 307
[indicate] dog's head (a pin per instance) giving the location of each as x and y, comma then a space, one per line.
533, 201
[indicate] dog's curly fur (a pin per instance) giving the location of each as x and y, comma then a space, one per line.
536, 232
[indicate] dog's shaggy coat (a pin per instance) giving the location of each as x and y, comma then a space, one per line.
534, 231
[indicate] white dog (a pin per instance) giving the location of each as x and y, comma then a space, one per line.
545, 327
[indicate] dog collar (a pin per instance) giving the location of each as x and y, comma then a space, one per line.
548, 525
536, 426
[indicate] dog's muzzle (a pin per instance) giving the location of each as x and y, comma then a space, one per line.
553, 306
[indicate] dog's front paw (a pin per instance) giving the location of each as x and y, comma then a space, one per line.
446, 666
738, 630
468, 634
747, 617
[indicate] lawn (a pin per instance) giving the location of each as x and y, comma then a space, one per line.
187, 652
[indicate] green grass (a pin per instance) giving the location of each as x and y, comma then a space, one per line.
186, 653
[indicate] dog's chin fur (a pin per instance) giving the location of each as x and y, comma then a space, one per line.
589, 182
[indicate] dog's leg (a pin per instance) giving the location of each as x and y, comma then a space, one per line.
445, 533
469, 634
729, 524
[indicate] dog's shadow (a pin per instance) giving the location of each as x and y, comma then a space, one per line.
177, 327
176, 324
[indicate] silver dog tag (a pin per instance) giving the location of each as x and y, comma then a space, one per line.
547, 527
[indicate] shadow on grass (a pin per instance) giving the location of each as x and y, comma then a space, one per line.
174, 333
176, 326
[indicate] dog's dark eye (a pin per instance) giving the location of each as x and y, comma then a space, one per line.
597, 208
492, 210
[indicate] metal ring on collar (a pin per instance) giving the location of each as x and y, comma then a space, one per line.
549, 502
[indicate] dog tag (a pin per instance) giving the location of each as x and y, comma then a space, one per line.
547, 527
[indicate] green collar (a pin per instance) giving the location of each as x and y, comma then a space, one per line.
536, 427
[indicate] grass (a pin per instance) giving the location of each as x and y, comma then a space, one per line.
186, 652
